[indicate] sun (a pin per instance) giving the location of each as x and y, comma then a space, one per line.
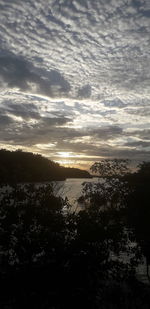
65, 154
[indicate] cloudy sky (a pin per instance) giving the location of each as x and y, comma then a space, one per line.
75, 79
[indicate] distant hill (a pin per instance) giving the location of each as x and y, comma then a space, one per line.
18, 166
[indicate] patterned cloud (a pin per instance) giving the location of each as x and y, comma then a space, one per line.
75, 77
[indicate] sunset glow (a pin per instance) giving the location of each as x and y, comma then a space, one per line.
75, 79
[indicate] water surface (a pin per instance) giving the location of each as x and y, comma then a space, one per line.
72, 189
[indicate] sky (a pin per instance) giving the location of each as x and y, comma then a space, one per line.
75, 79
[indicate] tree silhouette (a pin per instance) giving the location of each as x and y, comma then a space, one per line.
138, 209
113, 167
80, 255
73, 252
18, 166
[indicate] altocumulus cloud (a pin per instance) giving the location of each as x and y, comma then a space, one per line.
75, 76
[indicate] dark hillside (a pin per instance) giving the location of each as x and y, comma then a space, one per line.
19, 166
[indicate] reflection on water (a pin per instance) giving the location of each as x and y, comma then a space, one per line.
72, 190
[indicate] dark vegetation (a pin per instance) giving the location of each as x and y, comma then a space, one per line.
18, 166
139, 209
111, 168
51, 259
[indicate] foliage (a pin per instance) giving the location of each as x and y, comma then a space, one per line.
138, 210
144, 169
109, 168
29, 218
109, 192
76, 253
52, 259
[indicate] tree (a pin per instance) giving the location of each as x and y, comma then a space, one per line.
78, 254
109, 193
109, 168
138, 209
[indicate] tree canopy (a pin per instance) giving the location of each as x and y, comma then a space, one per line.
111, 167
55, 259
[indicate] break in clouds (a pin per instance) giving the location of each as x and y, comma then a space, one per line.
75, 78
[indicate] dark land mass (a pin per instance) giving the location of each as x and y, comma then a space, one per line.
18, 166
55, 260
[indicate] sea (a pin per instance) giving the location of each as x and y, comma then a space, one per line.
72, 189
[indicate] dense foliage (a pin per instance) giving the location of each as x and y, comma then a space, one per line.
138, 208
55, 259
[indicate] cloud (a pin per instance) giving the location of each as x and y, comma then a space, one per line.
137, 144
26, 111
75, 74
141, 134
103, 41
84, 92
114, 103
107, 132
5, 121
19, 73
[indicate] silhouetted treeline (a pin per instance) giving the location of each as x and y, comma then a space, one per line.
61, 260
138, 209
71, 172
52, 260
19, 166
